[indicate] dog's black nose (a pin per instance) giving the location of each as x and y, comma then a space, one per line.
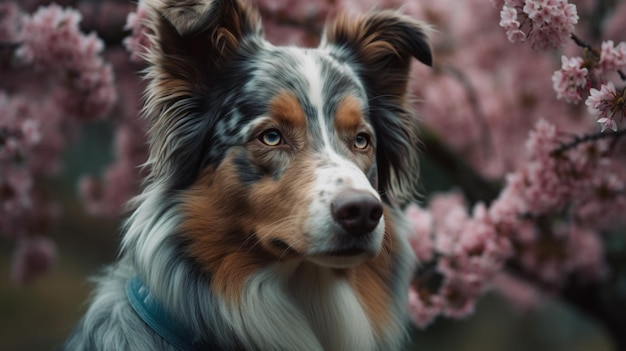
357, 212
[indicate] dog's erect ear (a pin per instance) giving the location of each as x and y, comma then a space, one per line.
380, 46
191, 43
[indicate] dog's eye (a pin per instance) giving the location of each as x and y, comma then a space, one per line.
271, 137
361, 141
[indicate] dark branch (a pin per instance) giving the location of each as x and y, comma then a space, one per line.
587, 139
580, 42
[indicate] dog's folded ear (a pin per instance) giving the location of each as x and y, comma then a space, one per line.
383, 43
189, 16
380, 46
192, 39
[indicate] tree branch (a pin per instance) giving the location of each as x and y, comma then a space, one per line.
587, 139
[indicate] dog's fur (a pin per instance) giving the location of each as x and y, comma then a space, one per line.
261, 160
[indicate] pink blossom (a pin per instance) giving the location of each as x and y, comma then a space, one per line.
571, 80
612, 58
51, 36
511, 24
545, 188
606, 103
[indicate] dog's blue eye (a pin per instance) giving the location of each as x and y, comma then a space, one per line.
271, 137
361, 141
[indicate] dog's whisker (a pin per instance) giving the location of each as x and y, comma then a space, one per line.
274, 227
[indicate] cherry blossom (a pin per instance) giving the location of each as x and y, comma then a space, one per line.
607, 104
612, 58
570, 81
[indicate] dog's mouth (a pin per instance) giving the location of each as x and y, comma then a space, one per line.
347, 252
344, 257
282, 246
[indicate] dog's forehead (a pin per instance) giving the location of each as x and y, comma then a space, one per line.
314, 77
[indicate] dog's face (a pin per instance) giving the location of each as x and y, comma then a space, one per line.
297, 144
276, 153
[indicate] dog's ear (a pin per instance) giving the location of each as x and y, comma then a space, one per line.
194, 38
380, 46
191, 43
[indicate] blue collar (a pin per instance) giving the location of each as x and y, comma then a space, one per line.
155, 316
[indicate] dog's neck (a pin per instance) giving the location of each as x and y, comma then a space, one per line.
304, 306
332, 307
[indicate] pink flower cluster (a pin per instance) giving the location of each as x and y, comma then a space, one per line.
546, 23
612, 58
52, 42
547, 220
459, 255
545, 207
570, 82
58, 80
579, 77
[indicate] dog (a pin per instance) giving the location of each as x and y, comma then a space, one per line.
271, 218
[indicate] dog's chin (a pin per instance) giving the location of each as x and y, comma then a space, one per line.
339, 260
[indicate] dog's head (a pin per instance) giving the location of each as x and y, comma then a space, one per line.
280, 152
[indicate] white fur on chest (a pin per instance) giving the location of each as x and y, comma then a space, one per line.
300, 307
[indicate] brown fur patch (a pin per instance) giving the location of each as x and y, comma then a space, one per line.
216, 240
231, 228
286, 107
348, 116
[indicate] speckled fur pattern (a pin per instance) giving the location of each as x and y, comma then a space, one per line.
252, 147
